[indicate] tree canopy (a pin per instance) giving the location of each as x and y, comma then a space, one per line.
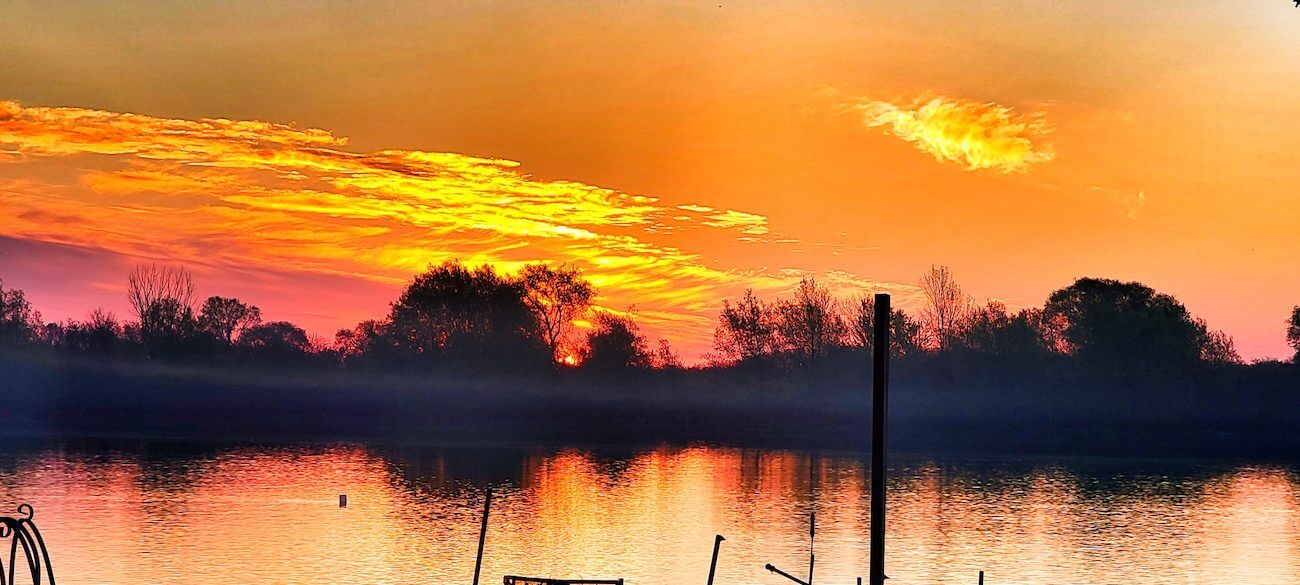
615, 343
18, 321
556, 296
1106, 321
226, 318
463, 317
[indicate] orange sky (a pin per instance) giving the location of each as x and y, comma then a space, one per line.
679, 153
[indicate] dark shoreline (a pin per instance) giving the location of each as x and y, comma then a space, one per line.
59, 399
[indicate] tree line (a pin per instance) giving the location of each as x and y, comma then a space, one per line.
459, 319
1099, 322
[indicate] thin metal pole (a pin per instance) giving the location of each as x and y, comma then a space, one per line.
981, 577
713, 565
879, 404
482, 533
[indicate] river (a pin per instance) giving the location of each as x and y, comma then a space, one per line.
150, 512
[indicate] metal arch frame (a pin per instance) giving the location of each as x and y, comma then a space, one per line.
21, 530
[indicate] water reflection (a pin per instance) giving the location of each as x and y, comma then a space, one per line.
147, 513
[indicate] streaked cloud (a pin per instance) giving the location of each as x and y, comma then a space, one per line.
747, 223
256, 195
977, 135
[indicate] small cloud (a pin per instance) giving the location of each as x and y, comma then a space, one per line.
1133, 204
747, 223
1138, 203
976, 134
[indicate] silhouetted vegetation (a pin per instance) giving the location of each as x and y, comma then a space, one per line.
615, 344
456, 319
19, 324
1293, 332
1097, 354
1111, 323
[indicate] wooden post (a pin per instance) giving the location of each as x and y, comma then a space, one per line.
343, 500
713, 565
773, 569
981, 577
812, 535
482, 533
879, 404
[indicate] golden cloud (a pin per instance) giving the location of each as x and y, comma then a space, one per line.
977, 135
247, 194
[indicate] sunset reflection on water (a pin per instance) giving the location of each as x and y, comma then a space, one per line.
149, 514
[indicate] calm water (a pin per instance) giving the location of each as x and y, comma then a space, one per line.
144, 513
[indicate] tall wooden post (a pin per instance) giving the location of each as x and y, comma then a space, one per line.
713, 565
482, 533
879, 405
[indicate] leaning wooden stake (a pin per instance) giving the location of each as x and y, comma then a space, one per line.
812, 535
482, 533
713, 565
879, 404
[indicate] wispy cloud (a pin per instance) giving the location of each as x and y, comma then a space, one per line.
975, 134
747, 223
1133, 203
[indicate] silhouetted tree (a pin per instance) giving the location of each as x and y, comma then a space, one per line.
746, 331
366, 344
169, 330
905, 332
665, 358
19, 323
991, 329
1219, 348
51, 334
1293, 332
810, 324
168, 320
162, 299
946, 309
226, 318
615, 342
463, 317
1110, 323
161, 292
275, 341
556, 296
99, 334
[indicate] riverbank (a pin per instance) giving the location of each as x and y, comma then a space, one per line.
1064, 416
